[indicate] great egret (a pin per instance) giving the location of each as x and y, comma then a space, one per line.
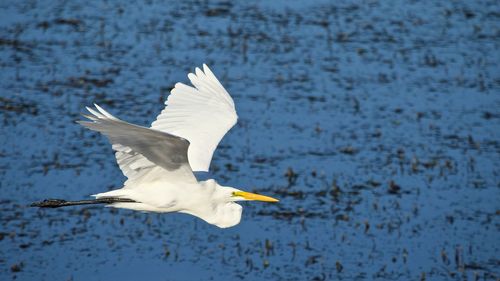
159, 161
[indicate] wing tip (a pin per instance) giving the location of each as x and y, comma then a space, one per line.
90, 117
87, 124
191, 76
206, 69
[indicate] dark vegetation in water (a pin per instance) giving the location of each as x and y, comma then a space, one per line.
376, 124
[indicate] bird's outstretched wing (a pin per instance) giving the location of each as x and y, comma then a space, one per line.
141, 151
201, 114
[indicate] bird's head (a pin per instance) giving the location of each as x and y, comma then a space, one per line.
225, 212
229, 212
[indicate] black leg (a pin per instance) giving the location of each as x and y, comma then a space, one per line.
56, 203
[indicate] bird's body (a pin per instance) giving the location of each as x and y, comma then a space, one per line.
205, 199
159, 161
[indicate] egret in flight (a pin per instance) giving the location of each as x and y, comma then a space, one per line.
159, 161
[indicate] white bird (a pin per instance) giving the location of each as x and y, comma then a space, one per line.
159, 161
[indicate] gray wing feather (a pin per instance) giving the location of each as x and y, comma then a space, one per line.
163, 149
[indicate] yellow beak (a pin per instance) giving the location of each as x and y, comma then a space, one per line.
253, 196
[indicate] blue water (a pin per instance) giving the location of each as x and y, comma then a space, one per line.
376, 123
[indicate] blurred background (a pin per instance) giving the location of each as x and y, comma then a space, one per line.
375, 122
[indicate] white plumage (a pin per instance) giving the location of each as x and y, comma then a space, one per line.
159, 161
202, 115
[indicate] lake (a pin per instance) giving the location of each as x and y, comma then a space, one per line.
376, 124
